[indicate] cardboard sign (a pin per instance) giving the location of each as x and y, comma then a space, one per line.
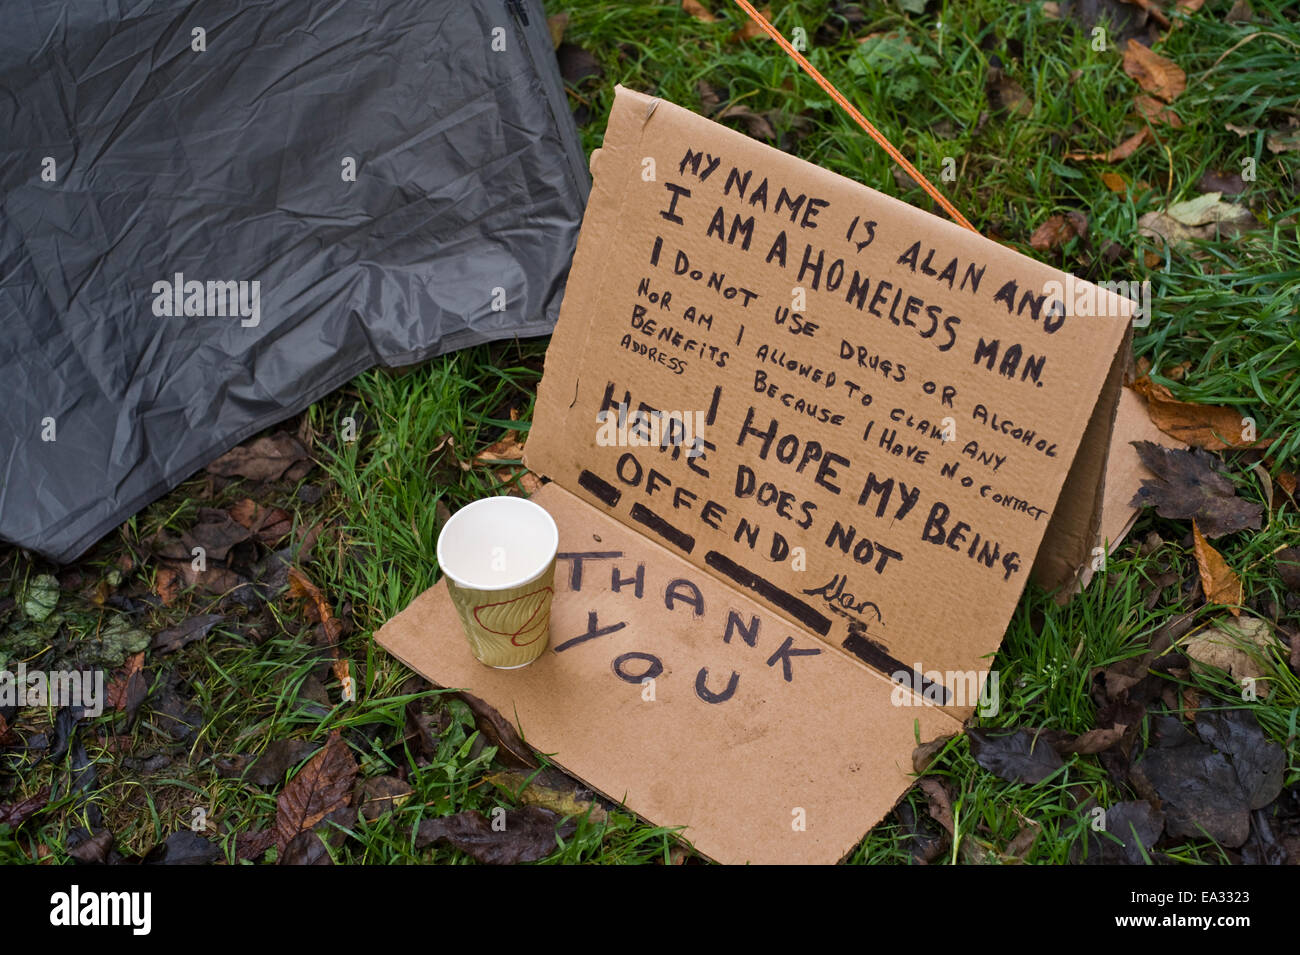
829, 413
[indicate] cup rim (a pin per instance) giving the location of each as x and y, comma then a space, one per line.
526, 578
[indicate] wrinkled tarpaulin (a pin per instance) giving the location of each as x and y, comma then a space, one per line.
228, 165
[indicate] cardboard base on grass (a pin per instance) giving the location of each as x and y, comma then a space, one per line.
787, 738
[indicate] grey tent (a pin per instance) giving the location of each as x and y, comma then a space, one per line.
215, 212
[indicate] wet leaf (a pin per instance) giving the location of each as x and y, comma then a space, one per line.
1259, 762
552, 790
253, 845
527, 835
167, 584
1199, 792
319, 788
1190, 485
216, 533
940, 803
90, 849
1224, 183
195, 628
924, 841
1219, 581
183, 848
41, 597
1159, 76
500, 732
1004, 93
306, 848
126, 691
268, 524
382, 794
302, 588
265, 459
1157, 112
1287, 562
277, 759
1094, 741
1018, 756
14, 814
1129, 828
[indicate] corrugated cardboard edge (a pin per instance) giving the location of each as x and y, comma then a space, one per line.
1066, 549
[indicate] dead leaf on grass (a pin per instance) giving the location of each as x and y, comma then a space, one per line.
1125, 149
698, 10
1205, 217
1158, 75
1191, 485
756, 125
1059, 229
1018, 756
529, 834
1235, 647
1219, 581
126, 691
266, 459
500, 732
1211, 427
319, 788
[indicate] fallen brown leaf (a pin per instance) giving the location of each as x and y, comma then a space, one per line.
1114, 182
14, 814
125, 692
301, 587
1157, 112
756, 124
167, 584
319, 788
1058, 230
1204, 426
698, 10
751, 30
265, 459
525, 835
1159, 76
1220, 583
1125, 149
1190, 485
1234, 646
511, 749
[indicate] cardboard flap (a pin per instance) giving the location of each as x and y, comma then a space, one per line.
765, 745
780, 352
1065, 555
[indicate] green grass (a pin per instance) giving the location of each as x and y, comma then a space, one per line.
1228, 307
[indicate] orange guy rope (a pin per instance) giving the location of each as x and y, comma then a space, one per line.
861, 120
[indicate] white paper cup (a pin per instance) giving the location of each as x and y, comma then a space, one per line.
498, 555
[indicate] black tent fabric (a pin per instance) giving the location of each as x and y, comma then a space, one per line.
215, 212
